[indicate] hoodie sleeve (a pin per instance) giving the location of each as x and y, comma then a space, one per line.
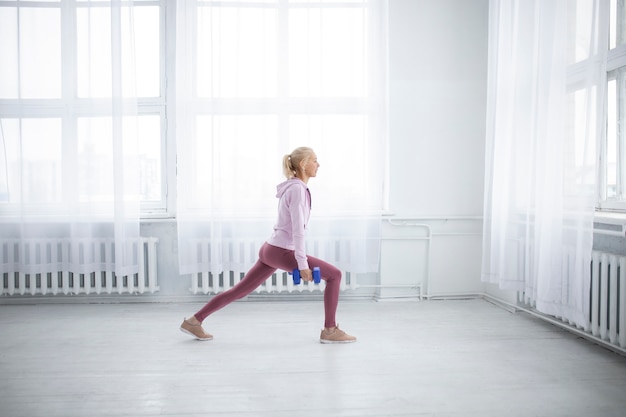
298, 209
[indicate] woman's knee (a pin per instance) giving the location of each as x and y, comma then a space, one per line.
329, 272
332, 273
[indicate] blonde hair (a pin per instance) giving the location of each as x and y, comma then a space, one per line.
293, 162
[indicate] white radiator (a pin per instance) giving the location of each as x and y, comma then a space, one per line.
607, 300
244, 253
92, 273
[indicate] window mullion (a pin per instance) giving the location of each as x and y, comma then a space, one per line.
283, 72
168, 140
621, 133
69, 153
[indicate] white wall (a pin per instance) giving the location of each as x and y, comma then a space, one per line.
438, 83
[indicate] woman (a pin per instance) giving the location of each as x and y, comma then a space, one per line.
284, 250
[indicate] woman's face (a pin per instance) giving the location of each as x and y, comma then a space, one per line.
310, 168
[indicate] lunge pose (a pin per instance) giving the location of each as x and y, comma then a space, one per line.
285, 249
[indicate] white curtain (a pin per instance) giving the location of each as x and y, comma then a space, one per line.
256, 80
68, 137
546, 84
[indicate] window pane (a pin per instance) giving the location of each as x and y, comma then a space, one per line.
580, 154
38, 35
8, 46
93, 44
96, 55
326, 52
33, 161
611, 141
150, 153
237, 148
236, 52
620, 141
617, 25
147, 52
333, 137
100, 161
95, 159
582, 29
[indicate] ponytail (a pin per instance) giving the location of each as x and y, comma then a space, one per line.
292, 162
288, 169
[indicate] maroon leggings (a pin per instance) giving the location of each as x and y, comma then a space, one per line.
272, 258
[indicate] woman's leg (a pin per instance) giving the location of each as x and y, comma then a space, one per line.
331, 333
284, 259
279, 258
270, 259
332, 276
253, 278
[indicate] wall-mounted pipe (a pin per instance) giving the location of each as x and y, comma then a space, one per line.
419, 222
427, 237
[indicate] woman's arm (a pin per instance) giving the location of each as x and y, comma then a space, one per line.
298, 209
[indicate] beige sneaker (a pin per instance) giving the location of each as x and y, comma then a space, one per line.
195, 330
336, 335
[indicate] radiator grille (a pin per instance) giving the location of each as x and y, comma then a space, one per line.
91, 274
243, 254
607, 300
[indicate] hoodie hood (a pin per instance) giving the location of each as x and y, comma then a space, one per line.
285, 185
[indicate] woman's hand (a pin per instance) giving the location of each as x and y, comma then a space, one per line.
306, 275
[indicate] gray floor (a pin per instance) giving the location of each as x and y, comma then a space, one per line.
429, 358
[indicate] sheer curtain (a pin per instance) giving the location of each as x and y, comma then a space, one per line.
546, 88
256, 80
68, 136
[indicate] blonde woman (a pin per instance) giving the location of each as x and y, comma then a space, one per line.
285, 250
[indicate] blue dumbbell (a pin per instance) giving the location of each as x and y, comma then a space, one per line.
317, 276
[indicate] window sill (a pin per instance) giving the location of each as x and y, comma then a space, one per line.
610, 223
157, 219
610, 217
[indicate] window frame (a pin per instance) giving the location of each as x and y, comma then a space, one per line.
284, 104
615, 60
161, 105
164, 105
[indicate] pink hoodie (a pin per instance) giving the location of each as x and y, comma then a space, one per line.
294, 209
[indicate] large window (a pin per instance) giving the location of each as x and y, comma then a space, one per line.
259, 78
56, 75
260, 72
613, 155
255, 80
